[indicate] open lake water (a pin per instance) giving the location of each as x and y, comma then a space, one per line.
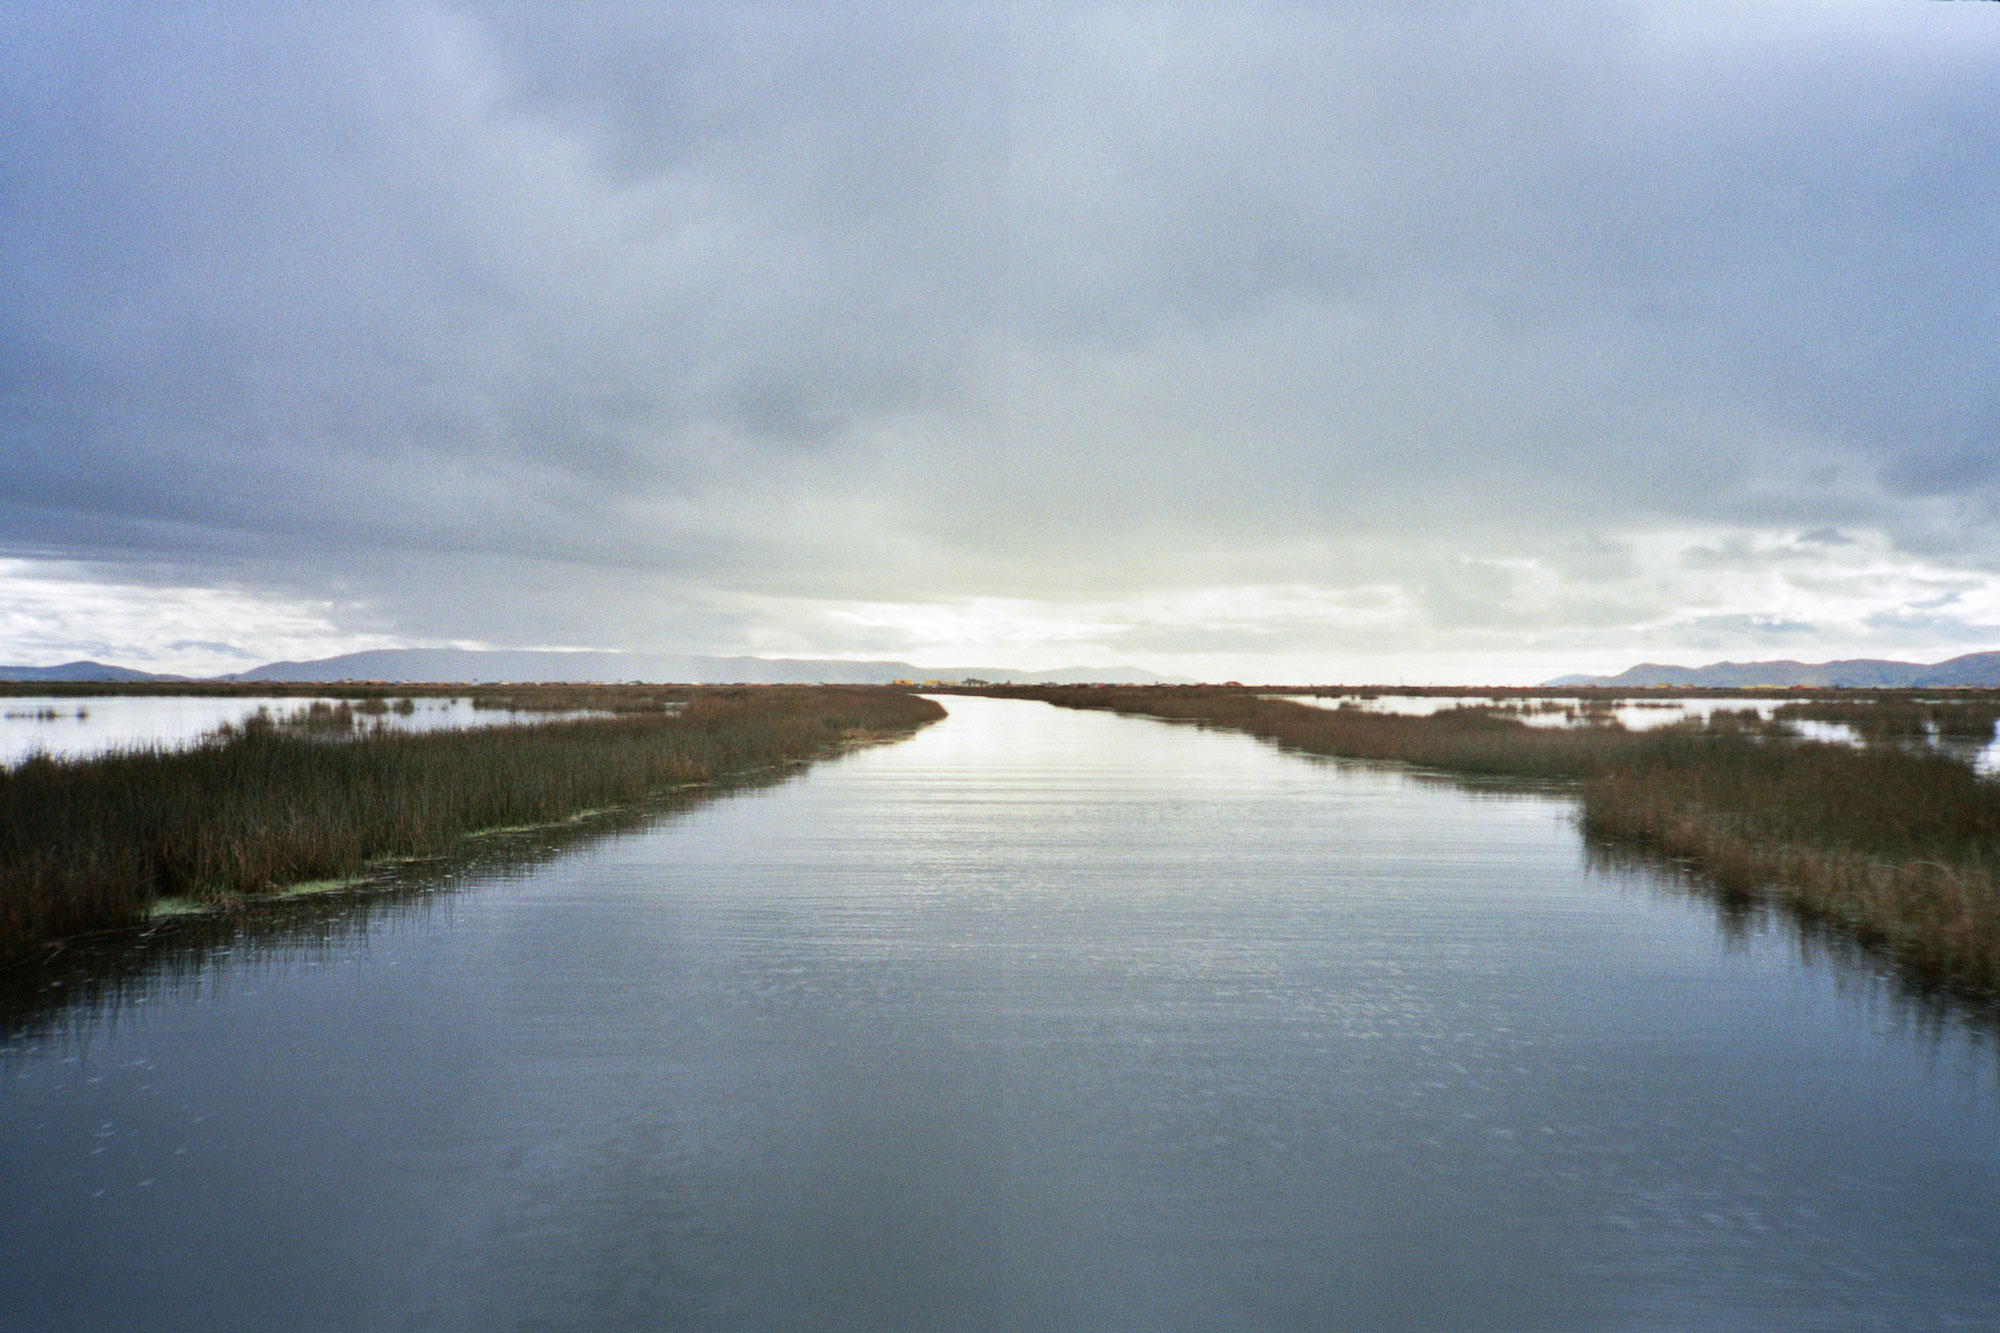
73, 727
1039, 1020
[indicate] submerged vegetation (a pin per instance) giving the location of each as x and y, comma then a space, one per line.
1887, 719
1899, 847
96, 843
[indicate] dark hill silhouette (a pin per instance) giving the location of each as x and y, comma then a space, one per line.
79, 671
1972, 669
409, 665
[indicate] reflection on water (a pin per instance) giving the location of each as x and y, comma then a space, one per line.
74, 726
1041, 1019
79, 986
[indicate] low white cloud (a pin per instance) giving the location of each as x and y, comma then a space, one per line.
52, 613
1256, 339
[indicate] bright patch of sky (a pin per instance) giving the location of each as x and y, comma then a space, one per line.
52, 613
1256, 341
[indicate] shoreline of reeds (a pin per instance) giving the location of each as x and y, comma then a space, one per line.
1899, 849
94, 844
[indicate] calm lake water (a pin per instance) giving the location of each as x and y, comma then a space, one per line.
1039, 1020
70, 727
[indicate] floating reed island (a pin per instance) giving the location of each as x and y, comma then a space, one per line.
1891, 843
98, 843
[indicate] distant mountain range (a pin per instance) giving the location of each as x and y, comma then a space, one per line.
1973, 669
411, 665
74, 671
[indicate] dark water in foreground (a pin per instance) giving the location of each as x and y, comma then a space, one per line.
1040, 1020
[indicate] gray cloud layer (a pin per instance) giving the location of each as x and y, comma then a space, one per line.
718, 328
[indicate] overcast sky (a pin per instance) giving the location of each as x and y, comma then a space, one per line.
1316, 342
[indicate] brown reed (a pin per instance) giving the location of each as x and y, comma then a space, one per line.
93, 843
1897, 847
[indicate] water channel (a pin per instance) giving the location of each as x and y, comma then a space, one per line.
1039, 1020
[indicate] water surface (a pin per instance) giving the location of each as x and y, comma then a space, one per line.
73, 726
1635, 714
1043, 1020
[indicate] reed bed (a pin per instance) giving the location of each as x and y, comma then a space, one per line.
571, 698
1892, 719
1465, 740
94, 843
1898, 848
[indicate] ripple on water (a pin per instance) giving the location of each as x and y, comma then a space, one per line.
1040, 1019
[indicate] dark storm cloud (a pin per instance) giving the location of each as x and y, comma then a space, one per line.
633, 322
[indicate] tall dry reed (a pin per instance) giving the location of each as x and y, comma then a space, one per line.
91, 843
1899, 848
